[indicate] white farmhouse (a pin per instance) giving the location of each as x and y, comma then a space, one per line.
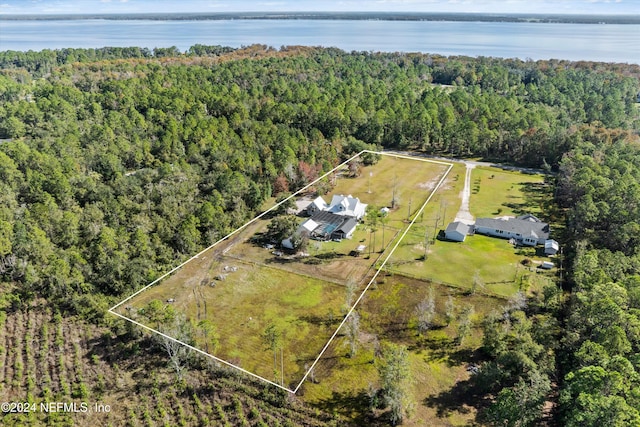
340, 205
347, 206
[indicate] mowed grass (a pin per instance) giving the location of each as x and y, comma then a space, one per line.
412, 180
437, 363
497, 265
496, 192
304, 311
493, 263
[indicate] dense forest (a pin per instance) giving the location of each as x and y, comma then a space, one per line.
118, 163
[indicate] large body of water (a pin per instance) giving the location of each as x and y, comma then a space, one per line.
592, 42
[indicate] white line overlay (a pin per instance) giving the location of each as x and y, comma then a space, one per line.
326, 346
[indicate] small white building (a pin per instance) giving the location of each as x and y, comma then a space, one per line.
546, 265
306, 227
551, 247
456, 231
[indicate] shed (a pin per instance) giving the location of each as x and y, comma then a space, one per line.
287, 243
456, 231
546, 265
551, 247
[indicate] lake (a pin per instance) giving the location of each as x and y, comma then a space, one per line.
593, 42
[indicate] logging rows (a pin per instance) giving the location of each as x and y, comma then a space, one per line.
45, 357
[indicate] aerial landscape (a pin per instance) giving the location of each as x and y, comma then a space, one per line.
294, 214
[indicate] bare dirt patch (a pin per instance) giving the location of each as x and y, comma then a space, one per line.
428, 185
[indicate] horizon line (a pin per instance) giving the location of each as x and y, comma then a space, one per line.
318, 12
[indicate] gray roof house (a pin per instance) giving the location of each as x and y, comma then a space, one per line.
325, 225
317, 205
526, 229
457, 231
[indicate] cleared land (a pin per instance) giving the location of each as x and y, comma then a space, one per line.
305, 297
492, 263
243, 288
441, 367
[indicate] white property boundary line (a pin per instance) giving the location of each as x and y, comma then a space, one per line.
112, 309
416, 215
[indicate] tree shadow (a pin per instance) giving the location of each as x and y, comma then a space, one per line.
124, 348
464, 355
463, 396
448, 351
438, 347
329, 255
353, 406
321, 320
517, 208
537, 194
281, 260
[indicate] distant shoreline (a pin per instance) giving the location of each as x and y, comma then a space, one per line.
382, 16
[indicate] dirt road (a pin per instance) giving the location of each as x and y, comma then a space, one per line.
463, 214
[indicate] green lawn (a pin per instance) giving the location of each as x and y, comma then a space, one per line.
497, 192
438, 365
494, 261
242, 288
413, 180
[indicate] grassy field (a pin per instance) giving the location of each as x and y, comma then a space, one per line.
330, 261
412, 179
304, 310
438, 364
243, 288
497, 192
493, 264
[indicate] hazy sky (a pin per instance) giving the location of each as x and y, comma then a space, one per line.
487, 6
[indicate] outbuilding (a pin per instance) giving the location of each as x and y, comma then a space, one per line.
551, 247
456, 231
